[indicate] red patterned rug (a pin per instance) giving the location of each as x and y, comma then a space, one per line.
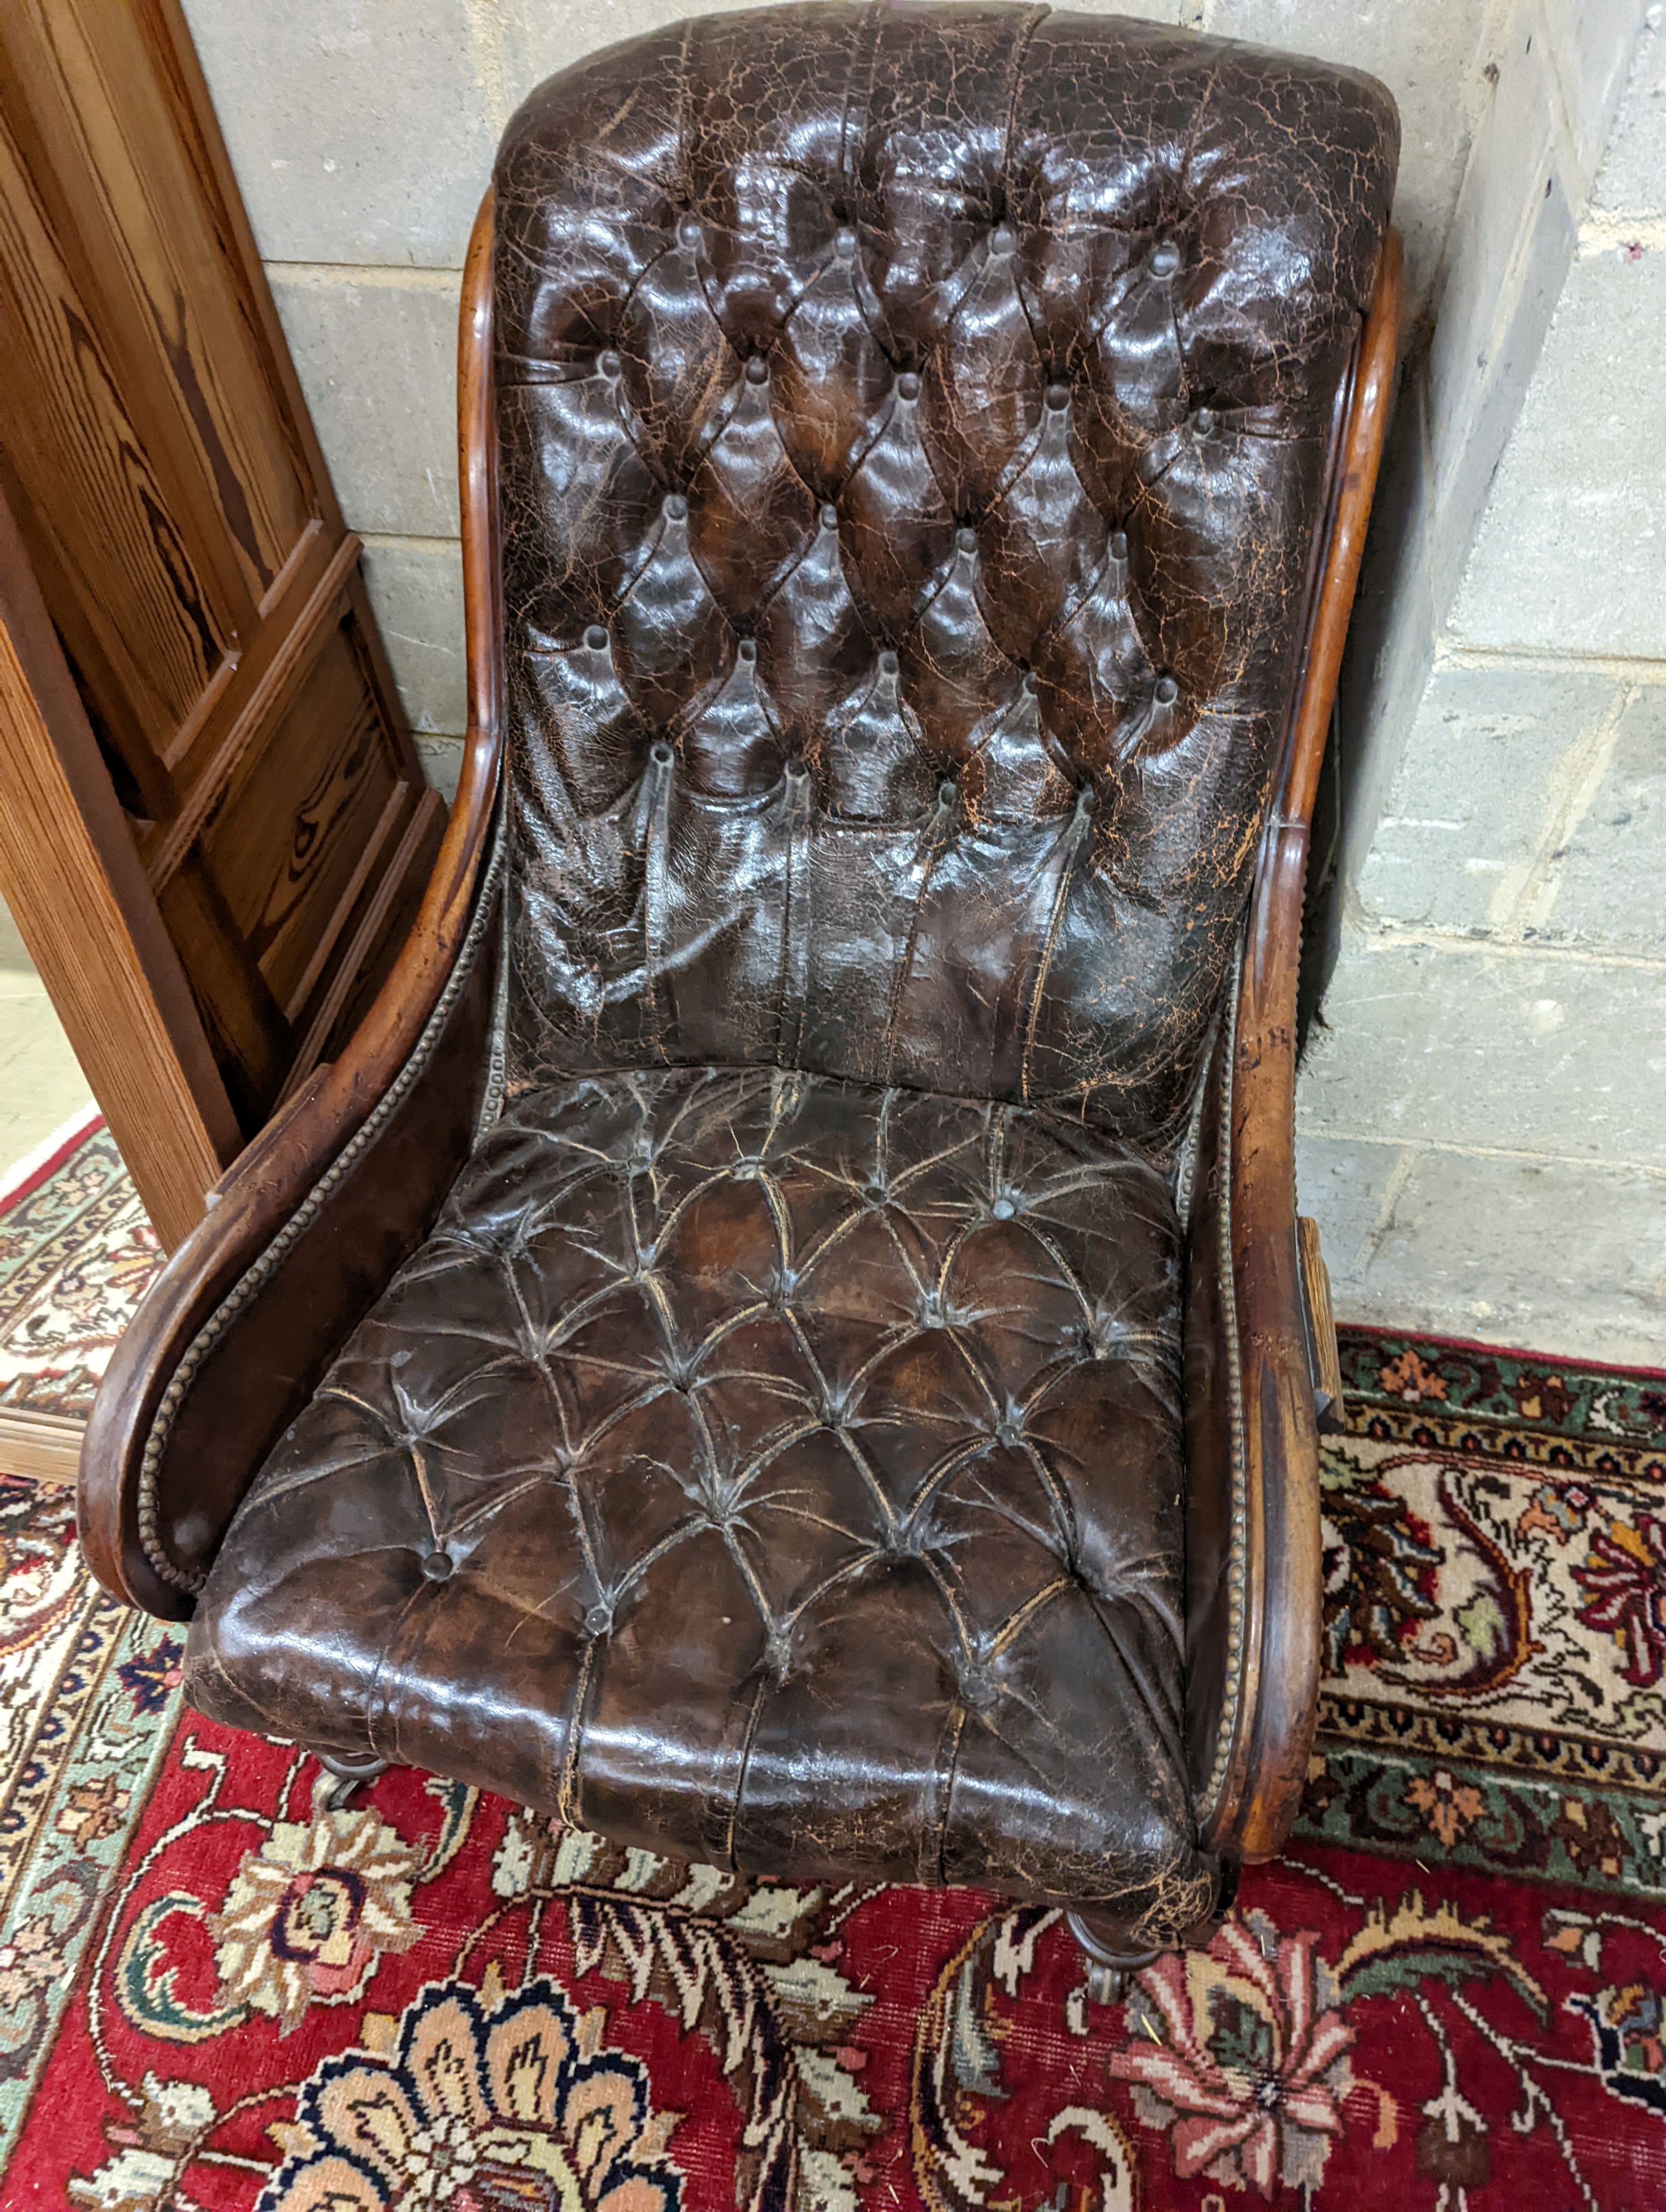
216, 1996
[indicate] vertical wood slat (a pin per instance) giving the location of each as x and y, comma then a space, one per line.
72, 880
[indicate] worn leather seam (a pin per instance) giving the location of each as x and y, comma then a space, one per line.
1238, 1550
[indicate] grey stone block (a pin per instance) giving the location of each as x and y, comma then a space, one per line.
1343, 1187
536, 39
1430, 55
1512, 238
1511, 1052
1569, 551
1469, 441
1455, 846
1543, 1255
1593, 42
1633, 177
442, 763
358, 133
1392, 638
1607, 887
377, 357
416, 588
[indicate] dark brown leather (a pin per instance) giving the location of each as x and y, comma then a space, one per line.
913, 428
776, 1472
914, 421
262, 1366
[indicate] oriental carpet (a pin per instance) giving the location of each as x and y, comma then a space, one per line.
216, 1993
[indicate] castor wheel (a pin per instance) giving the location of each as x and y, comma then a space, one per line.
1109, 1974
350, 1774
1108, 1985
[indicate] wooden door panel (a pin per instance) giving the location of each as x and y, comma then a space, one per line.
330, 776
130, 596
243, 1023
100, 82
178, 526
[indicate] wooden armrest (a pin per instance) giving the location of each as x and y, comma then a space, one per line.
336, 1190
1261, 1348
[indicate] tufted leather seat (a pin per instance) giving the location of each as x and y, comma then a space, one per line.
913, 427
790, 1470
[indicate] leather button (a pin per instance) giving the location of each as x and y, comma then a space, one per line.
1086, 800
1003, 1209
1119, 546
747, 650
660, 753
1204, 422
596, 638
688, 232
676, 507
1031, 683
889, 664
438, 1566
597, 1620
1058, 396
907, 386
947, 792
609, 363
1003, 239
1164, 258
1165, 691
757, 369
829, 517
844, 241
977, 1688
795, 771
875, 1194
965, 541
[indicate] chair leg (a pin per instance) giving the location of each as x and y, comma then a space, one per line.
349, 1774
1109, 1974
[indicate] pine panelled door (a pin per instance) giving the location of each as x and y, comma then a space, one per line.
215, 828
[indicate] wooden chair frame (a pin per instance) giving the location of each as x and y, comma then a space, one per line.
1271, 1331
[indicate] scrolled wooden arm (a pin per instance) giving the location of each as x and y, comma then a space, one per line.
312, 1219
1251, 1382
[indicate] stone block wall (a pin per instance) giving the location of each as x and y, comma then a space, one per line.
1483, 1114
1483, 1085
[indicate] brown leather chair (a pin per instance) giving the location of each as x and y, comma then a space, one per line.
785, 1340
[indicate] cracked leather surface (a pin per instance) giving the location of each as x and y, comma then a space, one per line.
914, 423
913, 427
781, 1472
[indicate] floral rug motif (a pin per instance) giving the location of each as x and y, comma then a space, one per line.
219, 1995
76, 1255
430, 1998
1495, 1616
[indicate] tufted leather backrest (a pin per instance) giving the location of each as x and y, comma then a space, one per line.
913, 426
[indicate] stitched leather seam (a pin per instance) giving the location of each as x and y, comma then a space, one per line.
1238, 1550
497, 1067
250, 1281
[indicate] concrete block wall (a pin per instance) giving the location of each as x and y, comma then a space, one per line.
1481, 1070
1482, 1130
